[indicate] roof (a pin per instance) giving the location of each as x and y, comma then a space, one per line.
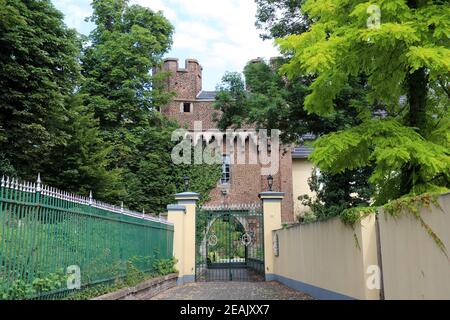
301, 152
207, 95
309, 136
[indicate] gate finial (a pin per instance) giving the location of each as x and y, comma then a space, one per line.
38, 183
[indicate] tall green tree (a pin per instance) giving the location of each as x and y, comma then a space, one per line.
43, 124
38, 69
81, 164
127, 43
406, 55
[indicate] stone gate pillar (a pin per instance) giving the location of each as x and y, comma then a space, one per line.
271, 202
182, 215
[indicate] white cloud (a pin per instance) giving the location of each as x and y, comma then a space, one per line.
157, 5
198, 29
75, 12
219, 33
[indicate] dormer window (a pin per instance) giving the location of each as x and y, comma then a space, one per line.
186, 107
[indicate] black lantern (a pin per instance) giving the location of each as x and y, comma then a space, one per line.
186, 183
270, 182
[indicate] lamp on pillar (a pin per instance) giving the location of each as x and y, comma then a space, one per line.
186, 183
270, 182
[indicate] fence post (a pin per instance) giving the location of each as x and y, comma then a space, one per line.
182, 215
271, 201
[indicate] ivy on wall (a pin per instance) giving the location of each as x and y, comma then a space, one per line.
405, 205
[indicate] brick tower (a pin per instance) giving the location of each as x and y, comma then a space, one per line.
240, 183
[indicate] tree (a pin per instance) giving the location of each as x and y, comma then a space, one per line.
43, 124
336, 192
279, 18
407, 56
127, 43
81, 164
38, 70
268, 101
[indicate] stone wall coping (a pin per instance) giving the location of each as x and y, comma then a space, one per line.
176, 207
122, 293
187, 196
271, 195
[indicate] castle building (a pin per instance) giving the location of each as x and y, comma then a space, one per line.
240, 183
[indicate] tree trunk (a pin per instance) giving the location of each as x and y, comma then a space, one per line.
417, 83
417, 87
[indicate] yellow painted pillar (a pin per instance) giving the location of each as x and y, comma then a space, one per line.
271, 201
182, 215
176, 214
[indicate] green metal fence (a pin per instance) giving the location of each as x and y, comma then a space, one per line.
46, 233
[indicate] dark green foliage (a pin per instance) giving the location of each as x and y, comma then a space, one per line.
81, 164
126, 43
165, 266
129, 40
231, 100
82, 111
336, 192
43, 125
279, 18
271, 102
20, 289
38, 69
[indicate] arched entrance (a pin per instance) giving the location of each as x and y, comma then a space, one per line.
229, 244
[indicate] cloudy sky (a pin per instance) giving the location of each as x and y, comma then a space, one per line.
219, 33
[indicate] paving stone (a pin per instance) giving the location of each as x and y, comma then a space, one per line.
232, 291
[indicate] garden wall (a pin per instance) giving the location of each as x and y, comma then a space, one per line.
144, 290
413, 265
323, 258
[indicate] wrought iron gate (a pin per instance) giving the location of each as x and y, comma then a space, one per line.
229, 244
